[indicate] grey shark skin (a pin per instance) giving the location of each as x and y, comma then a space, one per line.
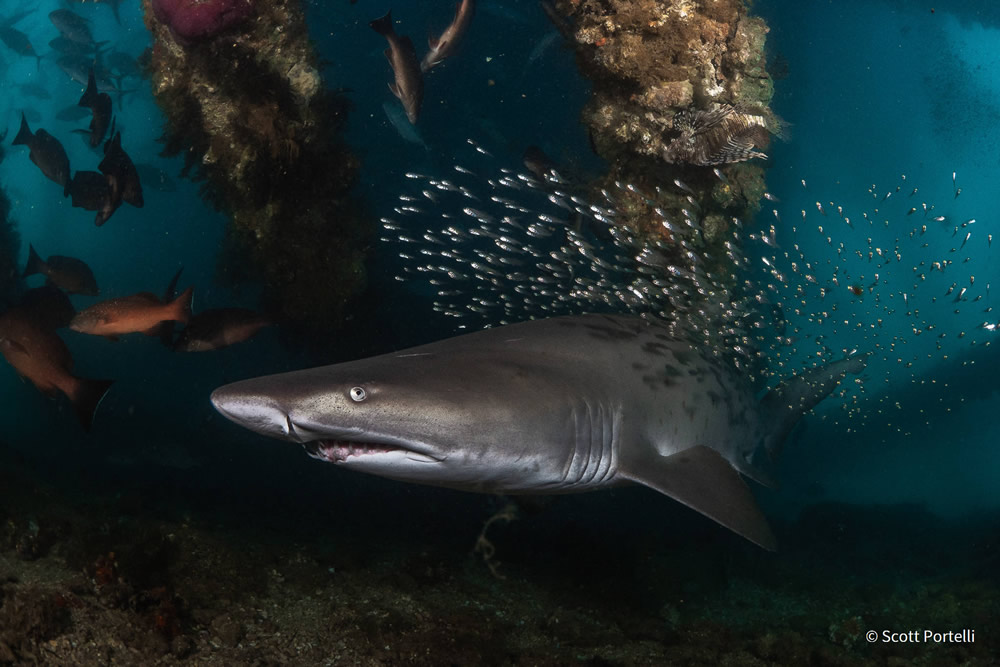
549, 406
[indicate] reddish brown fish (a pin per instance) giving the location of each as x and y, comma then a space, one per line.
445, 45
139, 313
37, 353
409, 83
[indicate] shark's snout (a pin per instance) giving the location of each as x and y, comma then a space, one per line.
257, 414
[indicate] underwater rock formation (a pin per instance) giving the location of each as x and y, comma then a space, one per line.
678, 87
252, 119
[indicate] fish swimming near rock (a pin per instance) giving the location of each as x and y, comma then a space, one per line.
139, 313
558, 405
92, 191
37, 353
18, 42
100, 106
46, 152
540, 164
216, 328
121, 172
67, 273
72, 26
409, 83
720, 135
444, 46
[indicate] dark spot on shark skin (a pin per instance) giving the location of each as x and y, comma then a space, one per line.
657, 380
715, 398
684, 357
659, 349
636, 366
616, 333
671, 371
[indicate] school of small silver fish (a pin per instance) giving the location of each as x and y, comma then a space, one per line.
493, 245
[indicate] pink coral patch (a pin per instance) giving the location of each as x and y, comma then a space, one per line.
199, 20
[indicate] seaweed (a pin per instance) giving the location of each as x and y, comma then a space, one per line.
257, 128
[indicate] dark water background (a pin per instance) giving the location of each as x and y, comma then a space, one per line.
874, 90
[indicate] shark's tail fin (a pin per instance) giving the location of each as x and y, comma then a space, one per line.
784, 405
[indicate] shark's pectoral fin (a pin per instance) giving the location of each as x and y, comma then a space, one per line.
703, 480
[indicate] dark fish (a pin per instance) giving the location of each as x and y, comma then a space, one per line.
68, 47
78, 68
92, 191
72, 26
100, 106
539, 164
139, 313
445, 45
37, 353
155, 178
123, 176
49, 306
409, 84
17, 16
219, 327
72, 114
34, 90
123, 65
46, 152
18, 42
68, 273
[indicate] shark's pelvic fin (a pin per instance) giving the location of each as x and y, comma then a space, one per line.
704, 480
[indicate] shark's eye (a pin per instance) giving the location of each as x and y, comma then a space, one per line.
358, 394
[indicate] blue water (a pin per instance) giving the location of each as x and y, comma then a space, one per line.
875, 91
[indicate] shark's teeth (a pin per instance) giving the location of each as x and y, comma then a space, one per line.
338, 451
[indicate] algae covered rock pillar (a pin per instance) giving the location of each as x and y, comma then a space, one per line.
680, 91
245, 105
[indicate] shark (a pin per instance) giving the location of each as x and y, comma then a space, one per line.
558, 405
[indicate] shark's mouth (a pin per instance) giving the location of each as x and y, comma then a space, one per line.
339, 451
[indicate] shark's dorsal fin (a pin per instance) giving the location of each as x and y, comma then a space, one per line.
702, 479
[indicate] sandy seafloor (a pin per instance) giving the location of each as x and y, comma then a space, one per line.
170, 536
